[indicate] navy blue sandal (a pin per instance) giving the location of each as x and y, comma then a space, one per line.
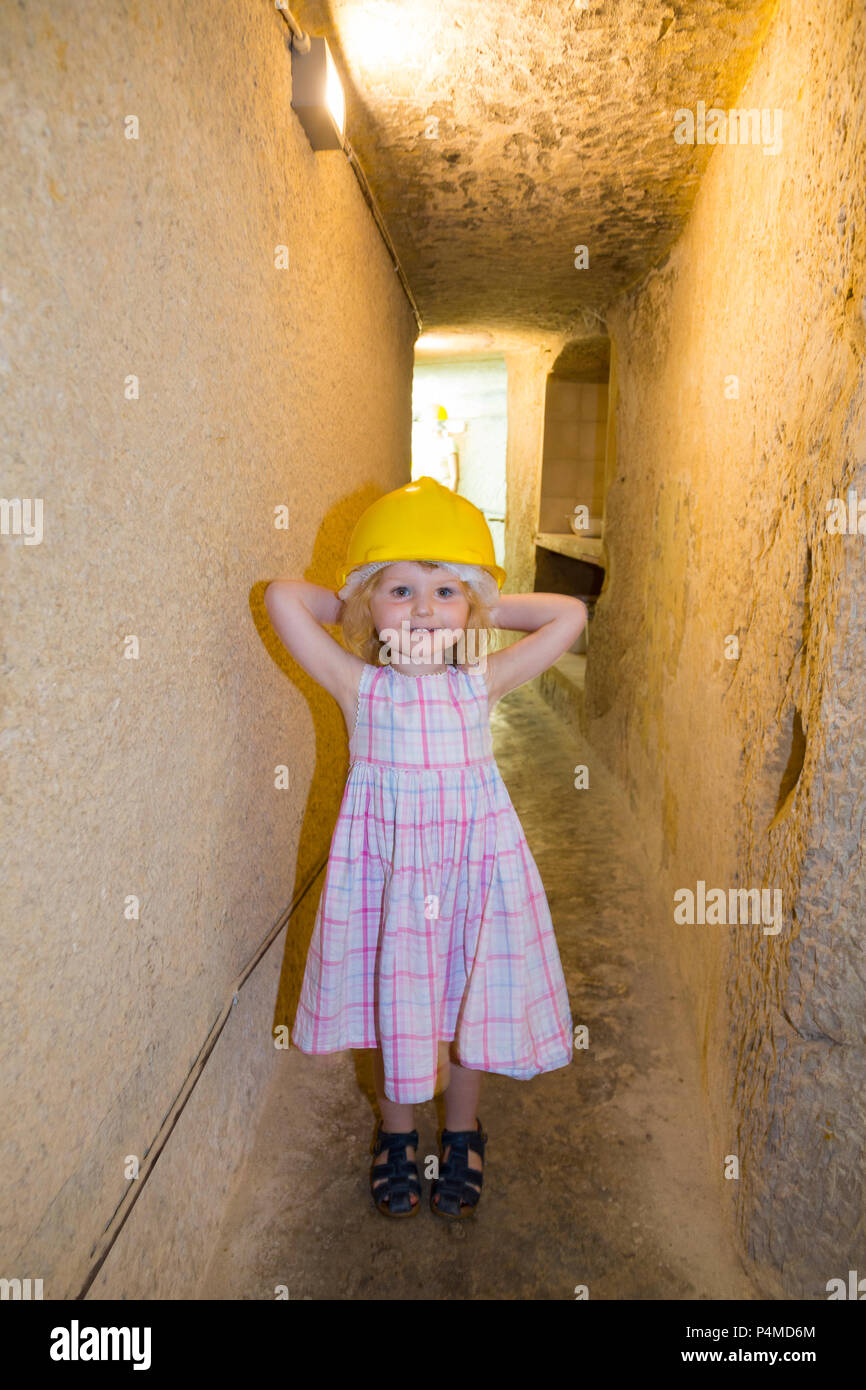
458, 1185
392, 1183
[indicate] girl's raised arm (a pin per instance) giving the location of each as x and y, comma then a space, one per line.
554, 621
297, 611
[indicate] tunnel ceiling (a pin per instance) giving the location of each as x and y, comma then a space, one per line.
497, 135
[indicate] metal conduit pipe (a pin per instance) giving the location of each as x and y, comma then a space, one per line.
300, 40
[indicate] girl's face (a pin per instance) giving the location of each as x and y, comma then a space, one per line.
409, 597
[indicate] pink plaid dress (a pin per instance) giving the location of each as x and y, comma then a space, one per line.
433, 922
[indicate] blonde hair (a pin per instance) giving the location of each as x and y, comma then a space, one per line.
359, 629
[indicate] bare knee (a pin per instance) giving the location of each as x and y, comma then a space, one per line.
443, 1070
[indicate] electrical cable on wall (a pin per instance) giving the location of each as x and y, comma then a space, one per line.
300, 40
103, 1246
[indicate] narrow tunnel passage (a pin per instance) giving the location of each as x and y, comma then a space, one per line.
599, 1172
599, 267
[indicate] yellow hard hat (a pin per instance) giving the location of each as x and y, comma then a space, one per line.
422, 521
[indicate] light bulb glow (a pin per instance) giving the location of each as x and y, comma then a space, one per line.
430, 343
334, 98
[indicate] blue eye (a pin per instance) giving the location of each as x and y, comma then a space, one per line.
443, 589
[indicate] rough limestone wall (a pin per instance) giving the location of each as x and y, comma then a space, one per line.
753, 767
528, 371
153, 775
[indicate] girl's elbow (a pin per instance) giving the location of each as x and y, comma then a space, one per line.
276, 585
275, 592
578, 619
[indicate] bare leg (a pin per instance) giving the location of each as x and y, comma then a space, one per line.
397, 1119
461, 1106
461, 1099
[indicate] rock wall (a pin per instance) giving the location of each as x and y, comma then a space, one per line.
528, 371
170, 379
725, 681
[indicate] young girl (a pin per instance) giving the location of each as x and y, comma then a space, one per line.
433, 941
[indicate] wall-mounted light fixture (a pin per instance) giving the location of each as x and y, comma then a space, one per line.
317, 96
317, 92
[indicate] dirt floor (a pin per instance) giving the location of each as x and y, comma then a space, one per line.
596, 1175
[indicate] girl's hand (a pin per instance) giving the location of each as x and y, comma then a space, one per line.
298, 611
554, 622
323, 603
529, 612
